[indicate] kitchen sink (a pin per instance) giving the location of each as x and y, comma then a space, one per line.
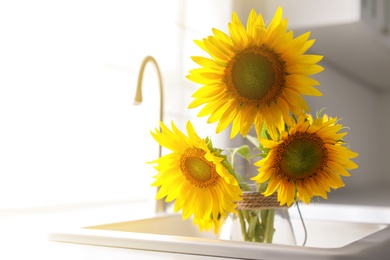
334, 232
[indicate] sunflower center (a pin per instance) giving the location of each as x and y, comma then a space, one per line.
196, 169
302, 155
255, 75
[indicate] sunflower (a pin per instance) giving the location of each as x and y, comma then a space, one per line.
206, 224
307, 161
195, 177
256, 75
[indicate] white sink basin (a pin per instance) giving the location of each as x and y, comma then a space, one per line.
360, 238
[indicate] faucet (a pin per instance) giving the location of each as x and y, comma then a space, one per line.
160, 204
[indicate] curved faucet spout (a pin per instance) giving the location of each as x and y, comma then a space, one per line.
160, 204
138, 94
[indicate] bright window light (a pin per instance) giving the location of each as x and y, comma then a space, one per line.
69, 132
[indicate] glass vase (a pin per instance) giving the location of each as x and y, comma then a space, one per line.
259, 219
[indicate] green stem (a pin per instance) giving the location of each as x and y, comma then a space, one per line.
242, 225
269, 225
252, 228
253, 220
259, 229
262, 187
256, 225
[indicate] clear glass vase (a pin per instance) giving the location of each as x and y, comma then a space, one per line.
259, 219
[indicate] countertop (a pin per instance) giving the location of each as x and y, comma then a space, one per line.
24, 233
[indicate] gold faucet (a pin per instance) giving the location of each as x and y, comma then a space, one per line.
160, 204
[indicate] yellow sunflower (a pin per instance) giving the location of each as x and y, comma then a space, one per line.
307, 161
256, 75
194, 176
210, 223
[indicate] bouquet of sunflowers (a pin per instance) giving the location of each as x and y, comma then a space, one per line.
255, 77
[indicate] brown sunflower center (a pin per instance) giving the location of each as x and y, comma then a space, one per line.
302, 155
196, 169
255, 75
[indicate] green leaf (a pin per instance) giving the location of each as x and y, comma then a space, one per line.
242, 151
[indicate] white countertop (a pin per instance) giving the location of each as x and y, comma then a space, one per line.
24, 233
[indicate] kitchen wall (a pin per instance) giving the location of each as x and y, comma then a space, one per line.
358, 106
383, 123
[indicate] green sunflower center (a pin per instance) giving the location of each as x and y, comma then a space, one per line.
196, 169
255, 75
302, 155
